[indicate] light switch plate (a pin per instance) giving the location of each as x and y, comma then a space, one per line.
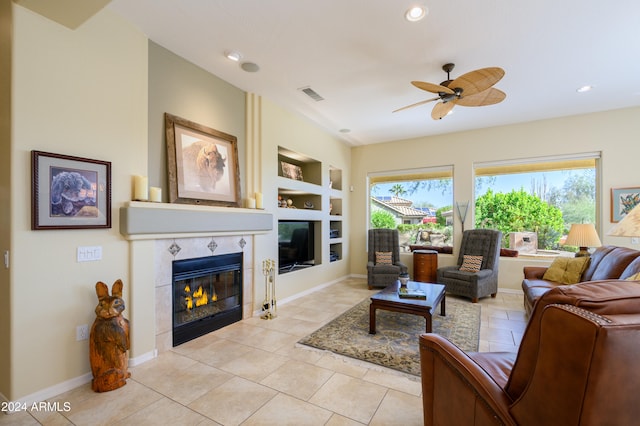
89, 253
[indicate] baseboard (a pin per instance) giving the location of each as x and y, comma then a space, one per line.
305, 292
133, 362
50, 392
510, 290
55, 390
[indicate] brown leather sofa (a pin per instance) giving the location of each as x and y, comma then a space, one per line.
607, 262
577, 365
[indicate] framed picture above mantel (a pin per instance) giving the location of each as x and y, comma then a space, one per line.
69, 192
202, 164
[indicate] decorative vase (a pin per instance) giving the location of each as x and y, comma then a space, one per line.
404, 279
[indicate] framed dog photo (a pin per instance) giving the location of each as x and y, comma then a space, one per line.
202, 164
69, 192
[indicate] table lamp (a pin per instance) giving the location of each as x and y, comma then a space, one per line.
583, 235
629, 226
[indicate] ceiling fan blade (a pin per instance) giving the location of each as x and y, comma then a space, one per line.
433, 88
488, 97
477, 81
442, 109
417, 104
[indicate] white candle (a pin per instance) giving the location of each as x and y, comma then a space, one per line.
155, 194
259, 204
251, 203
141, 188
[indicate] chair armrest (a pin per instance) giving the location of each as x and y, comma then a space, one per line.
484, 273
534, 272
402, 266
448, 268
447, 371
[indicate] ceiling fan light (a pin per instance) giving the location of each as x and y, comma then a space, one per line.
416, 13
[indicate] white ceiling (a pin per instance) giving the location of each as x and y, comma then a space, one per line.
360, 56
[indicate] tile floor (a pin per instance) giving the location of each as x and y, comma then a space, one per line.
252, 373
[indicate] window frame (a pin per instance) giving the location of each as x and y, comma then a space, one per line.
575, 161
407, 175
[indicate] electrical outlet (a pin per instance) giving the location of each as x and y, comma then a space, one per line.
635, 240
82, 332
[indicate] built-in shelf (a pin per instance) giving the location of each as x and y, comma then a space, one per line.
298, 167
335, 252
314, 190
335, 178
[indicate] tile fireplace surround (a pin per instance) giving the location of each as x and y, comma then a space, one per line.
159, 233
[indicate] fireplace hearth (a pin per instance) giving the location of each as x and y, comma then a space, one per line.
207, 295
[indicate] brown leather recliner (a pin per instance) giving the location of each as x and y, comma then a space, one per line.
577, 365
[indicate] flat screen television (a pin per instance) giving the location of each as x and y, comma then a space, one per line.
295, 245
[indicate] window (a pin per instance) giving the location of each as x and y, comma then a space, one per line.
416, 202
535, 201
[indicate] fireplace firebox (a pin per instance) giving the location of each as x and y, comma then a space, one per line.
207, 295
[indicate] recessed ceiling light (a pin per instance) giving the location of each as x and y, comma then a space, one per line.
233, 55
250, 67
584, 89
416, 13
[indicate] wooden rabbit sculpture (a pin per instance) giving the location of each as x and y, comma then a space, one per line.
109, 340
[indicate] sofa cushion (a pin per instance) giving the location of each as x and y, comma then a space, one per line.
534, 292
610, 264
632, 269
635, 277
596, 258
566, 270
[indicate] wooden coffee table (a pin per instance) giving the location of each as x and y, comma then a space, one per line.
389, 300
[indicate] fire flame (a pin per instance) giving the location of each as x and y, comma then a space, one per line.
200, 296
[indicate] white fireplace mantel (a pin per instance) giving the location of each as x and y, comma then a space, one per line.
141, 220
144, 225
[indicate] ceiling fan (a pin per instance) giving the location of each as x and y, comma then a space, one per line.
470, 89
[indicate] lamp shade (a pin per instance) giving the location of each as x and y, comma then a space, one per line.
629, 226
583, 235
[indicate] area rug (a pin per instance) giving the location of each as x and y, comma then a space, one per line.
395, 344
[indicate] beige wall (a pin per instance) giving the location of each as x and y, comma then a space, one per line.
183, 89
80, 93
613, 133
6, 39
282, 128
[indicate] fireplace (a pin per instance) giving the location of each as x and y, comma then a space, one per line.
207, 295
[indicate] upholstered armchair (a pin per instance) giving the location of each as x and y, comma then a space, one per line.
476, 273
383, 265
577, 365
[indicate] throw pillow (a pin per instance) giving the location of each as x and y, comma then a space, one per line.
567, 270
471, 263
384, 258
634, 277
